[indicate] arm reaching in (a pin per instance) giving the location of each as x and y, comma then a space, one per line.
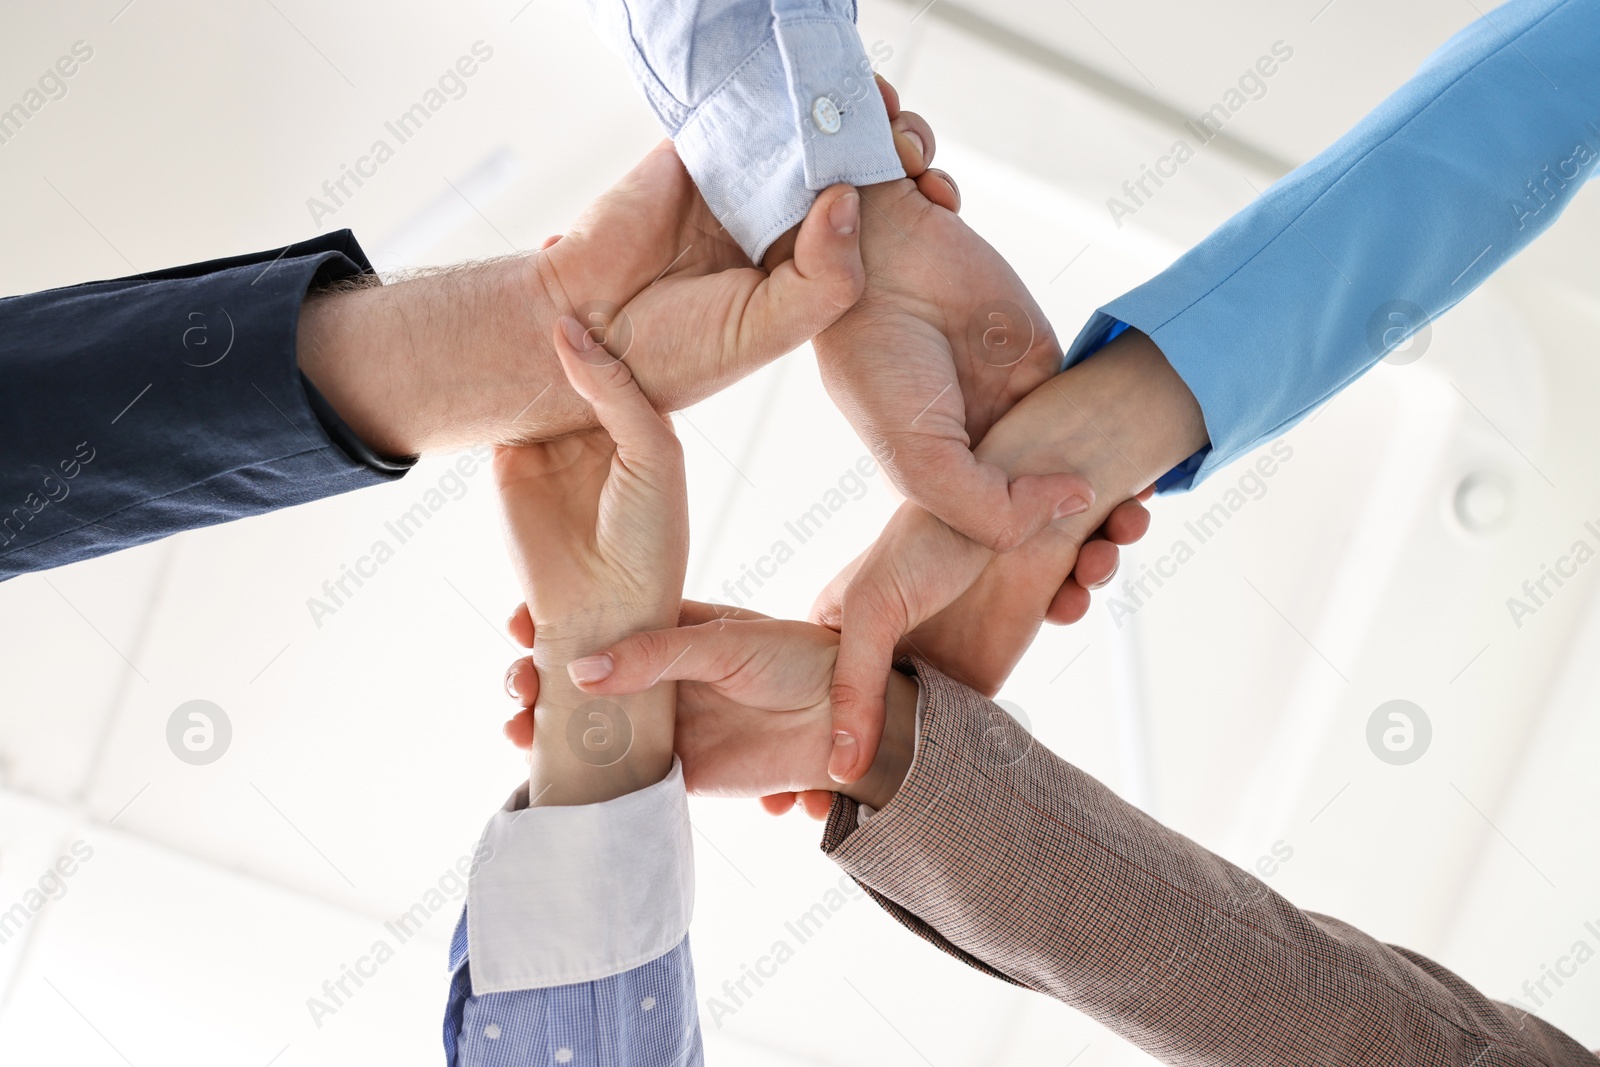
580, 901
1016, 862
462, 356
598, 530
1279, 309
1124, 417
224, 390
752, 700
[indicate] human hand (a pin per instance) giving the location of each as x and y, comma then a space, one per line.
943, 341
1122, 417
598, 531
461, 356
655, 279
980, 636
753, 716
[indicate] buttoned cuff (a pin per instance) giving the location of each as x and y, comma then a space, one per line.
580, 893
800, 113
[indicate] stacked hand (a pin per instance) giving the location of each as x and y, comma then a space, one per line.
753, 717
947, 367
598, 531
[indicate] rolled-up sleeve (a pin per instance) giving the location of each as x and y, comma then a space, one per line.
768, 101
1349, 256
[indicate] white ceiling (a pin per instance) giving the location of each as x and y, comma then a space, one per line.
366, 753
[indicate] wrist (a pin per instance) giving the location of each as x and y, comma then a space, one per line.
588, 749
1121, 418
441, 361
896, 748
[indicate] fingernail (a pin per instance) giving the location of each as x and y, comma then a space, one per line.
915, 139
845, 213
951, 182
590, 669
843, 758
511, 684
577, 336
1073, 505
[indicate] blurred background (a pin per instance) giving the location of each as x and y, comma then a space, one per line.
1235, 700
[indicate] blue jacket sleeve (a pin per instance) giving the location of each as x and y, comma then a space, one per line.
1299, 294
140, 407
645, 1017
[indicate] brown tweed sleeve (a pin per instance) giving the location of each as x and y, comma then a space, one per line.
1011, 859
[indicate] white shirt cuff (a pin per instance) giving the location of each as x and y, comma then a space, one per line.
576, 894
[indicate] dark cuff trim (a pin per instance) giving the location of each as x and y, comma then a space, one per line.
342, 435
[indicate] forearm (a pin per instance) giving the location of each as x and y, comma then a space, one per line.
1021, 864
452, 358
1120, 419
1331, 268
185, 378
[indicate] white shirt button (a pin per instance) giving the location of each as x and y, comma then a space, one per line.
492, 1031
647, 1003
563, 1055
825, 113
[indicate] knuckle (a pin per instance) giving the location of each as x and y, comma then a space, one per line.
650, 649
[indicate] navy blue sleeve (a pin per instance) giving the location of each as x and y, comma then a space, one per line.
136, 408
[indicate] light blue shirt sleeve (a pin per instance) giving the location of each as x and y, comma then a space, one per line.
642, 1018
573, 946
768, 101
645, 1017
1343, 260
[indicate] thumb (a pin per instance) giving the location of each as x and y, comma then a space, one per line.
867, 641
829, 605
644, 440
802, 296
982, 500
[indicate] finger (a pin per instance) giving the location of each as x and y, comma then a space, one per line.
694, 613
549, 241
941, 475
940, 188
643, 441
522, 682
1070, 604
804, 294
1097, 563
913, 142
520, 626
709, 652
817, 803
828, 608
891, 96
778, 803
1128, 522
867, 641
519, 729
